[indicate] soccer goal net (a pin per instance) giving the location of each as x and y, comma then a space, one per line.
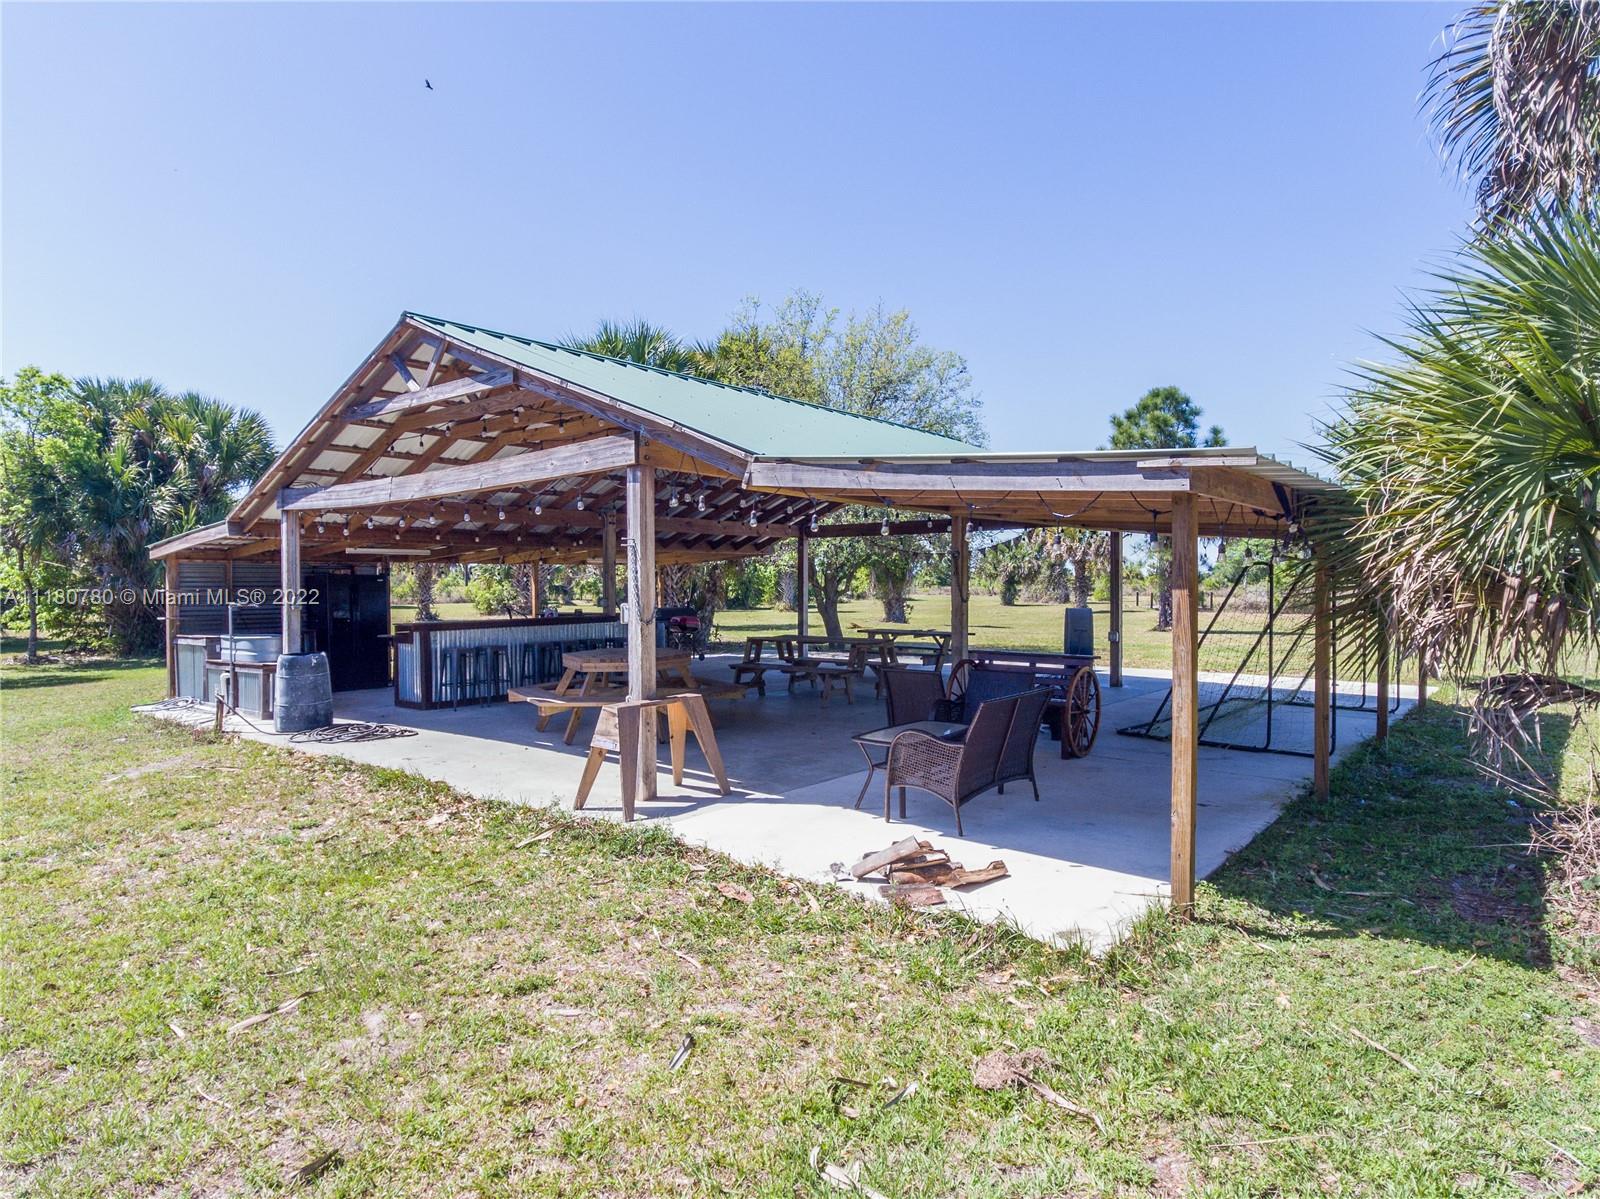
1257, 667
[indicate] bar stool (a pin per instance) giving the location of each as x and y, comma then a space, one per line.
528, 664
454, 673
499, 675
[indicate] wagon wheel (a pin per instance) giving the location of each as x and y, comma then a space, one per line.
1080, 717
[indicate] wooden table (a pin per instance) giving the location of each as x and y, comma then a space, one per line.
893, 633
619, 730
672, 666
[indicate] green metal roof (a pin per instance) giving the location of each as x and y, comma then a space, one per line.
756, 421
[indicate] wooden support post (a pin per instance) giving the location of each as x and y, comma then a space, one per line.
608, 563
960, 569
289, 579
535, 599
1185, 695
1422, 676
802, 585
639, 620
1322, 740
1381, 648
1114, 617
170, 629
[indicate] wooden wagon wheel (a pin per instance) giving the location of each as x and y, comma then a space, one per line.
1080, 718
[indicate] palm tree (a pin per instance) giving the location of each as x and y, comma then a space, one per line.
638, 341
1476, 454
1515, 101
153, 465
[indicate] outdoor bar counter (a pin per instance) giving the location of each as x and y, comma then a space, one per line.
427, 655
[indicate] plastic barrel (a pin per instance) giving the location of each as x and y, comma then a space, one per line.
303, 696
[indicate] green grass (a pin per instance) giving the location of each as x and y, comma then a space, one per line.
493, 995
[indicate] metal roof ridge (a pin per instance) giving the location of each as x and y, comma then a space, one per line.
744, 388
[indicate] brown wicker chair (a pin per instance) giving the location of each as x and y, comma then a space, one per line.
911, 695
997, 749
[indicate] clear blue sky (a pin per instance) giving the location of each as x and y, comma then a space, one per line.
1085, 201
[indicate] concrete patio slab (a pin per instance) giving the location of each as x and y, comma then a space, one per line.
1086, 861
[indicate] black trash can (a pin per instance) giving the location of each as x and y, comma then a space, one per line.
303, 695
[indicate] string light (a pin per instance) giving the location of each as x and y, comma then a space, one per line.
700, 502
580, 503
752, 518
883, 529
346, 530
538, 508
501, 512
813, 522
369, 522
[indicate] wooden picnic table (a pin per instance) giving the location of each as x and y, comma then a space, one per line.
894, 632
618, 730
672, 666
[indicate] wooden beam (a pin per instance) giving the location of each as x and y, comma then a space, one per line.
289, 579
1236, 487
1114, 616
802, 584
501, 474
1185, 697
404, 372
424, 397
956, 479
1322, 738
639, 621
170, 631
323, 428
608, 562
960, 567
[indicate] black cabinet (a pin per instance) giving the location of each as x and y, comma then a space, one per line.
349, 621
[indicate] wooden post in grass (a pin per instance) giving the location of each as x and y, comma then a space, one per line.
960, 564
289, 579
170, 632
1185, 695
608, 563
639, 621
1322, 741
802, 584
1422, 676
1114, 617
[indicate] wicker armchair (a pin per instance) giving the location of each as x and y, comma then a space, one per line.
911, 695
997, 749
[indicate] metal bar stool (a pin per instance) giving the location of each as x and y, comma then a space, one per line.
528, 664
454, 674
499, 679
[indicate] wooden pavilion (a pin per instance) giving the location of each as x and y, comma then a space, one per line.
451, 443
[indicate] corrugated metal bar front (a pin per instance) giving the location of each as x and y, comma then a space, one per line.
441, 641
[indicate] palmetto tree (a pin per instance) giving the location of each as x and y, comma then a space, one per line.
1476, 454
147, 464
639, 341
1515, 101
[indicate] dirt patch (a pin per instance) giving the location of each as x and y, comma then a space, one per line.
1492, 896
998, 1070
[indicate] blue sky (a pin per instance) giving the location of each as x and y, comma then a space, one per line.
1084, 200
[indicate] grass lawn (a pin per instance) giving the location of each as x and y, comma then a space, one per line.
474, 999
